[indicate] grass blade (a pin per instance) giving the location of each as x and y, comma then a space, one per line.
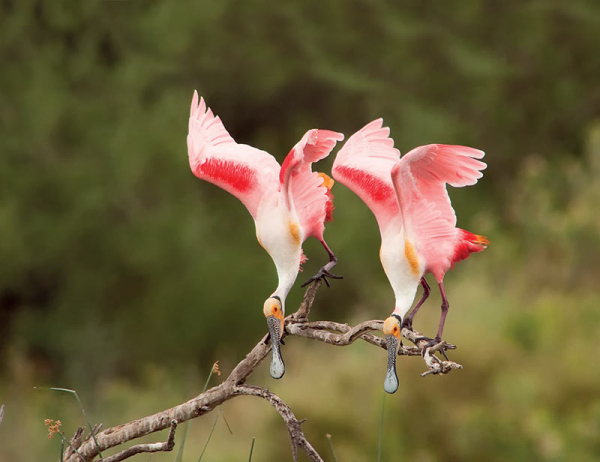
188, 425
179, 456
208, 379
223, 415
209, 436
62, 448
381, 429
251, 449
331, 447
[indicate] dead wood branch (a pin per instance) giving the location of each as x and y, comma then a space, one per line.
296, 324
140, 448
293, 425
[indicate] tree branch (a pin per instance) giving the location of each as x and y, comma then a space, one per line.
293, 425
152, 447
296, 324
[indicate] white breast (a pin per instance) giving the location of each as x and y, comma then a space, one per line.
279, 232
403, 267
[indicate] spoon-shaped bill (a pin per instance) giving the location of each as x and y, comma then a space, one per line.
391, 379
277, 366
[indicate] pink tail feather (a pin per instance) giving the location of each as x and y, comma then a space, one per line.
468, 243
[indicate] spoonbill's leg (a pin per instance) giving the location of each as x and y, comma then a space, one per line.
324, 271
445, 306
438, 337
408, 320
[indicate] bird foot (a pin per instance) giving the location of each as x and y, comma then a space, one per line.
322, 274
435, 344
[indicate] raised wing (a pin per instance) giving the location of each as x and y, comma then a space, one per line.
420, 179
364, 165
308, 190
241, 170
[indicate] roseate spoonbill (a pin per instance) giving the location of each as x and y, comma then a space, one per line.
288, 203
417, 222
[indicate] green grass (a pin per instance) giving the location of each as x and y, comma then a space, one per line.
251, 450
381, 420
331, 448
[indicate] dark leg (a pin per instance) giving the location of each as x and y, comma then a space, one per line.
408, 320
438, 337
445, 306
324, 271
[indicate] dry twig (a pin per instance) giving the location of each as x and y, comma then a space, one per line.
296, 324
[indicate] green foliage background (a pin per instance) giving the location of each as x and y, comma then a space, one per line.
125, 277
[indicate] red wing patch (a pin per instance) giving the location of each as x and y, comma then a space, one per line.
286, 165
237, 176
377, 189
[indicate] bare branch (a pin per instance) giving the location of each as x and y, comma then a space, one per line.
293, 425
296, 324
309, 297
151, 447
75, 442
319, 330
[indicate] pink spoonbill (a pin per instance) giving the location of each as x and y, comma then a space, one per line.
417, 222
288, 203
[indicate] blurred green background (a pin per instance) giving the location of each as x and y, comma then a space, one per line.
124, 277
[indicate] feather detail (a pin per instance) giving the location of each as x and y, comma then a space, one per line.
467, 244
243, 171
329, 207
303, 259
306, 190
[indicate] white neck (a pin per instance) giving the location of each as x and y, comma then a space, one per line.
404, 300
287, 276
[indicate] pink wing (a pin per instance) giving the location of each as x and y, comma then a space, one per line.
420, 179
305, 188
241, 170
364, 165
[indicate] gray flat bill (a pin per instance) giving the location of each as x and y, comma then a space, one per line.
391, 379
277, 365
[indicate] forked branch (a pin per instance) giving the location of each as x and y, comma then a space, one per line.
296, 324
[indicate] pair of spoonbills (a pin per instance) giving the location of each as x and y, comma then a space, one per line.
290, 203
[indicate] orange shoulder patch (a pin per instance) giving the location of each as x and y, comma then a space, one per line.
295, 232
327, 180
411, 255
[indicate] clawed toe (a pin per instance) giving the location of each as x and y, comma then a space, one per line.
437, 344
323, 274
407, 324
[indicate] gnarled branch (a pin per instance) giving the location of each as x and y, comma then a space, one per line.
297, 324
151, 447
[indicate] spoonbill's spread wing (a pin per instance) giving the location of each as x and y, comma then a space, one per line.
241, 170
364, 165
308, 190
420, 179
